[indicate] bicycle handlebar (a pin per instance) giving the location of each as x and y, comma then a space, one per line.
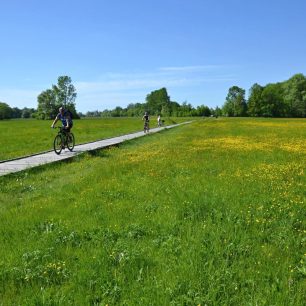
58, 127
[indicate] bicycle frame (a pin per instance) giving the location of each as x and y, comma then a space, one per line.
63, 139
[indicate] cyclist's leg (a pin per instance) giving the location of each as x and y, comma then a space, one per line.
68, 133
65, 136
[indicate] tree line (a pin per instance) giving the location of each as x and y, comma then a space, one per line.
158, 102
282, 99
7, 112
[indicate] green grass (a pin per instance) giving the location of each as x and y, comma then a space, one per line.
210, 213
24, 137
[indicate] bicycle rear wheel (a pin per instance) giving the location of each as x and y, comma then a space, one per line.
70, 141
58, 144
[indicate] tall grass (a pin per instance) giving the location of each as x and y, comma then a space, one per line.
211, 213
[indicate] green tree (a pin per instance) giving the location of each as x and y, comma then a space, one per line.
106, 113
65, 92
165, 111
185, 109
295, 96
16, 112
62, 94
117, 112
47, 106
254, 105
27, 112
5, 111
203, 110
174, 106
235, 104
273, 101
217, 112
158, 102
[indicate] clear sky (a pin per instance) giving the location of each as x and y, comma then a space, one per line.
118, 51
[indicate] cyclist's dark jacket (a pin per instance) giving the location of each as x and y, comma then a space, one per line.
146, 117
66, 116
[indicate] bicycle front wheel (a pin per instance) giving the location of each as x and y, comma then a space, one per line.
70, 141
58, 144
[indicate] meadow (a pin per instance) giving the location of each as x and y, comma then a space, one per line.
209, 213
24, 137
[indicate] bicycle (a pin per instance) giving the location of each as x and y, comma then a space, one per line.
63, 139
146, 127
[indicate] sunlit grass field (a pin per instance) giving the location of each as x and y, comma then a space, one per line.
209, 213
24, 137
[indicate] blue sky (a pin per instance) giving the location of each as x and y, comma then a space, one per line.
118, 51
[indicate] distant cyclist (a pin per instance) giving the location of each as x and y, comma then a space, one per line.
146, 120
65, 116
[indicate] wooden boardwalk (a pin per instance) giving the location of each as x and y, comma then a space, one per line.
24, 163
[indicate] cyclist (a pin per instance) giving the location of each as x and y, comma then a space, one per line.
65, 116
146, 120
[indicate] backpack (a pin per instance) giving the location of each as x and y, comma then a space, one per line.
69, 113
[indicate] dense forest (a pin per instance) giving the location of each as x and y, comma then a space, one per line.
282, 99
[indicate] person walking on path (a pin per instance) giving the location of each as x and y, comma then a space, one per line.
159, 121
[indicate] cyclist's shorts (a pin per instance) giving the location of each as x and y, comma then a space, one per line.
70, 127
